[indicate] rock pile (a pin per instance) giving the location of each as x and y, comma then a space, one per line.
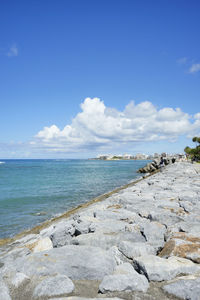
155, 165
140, 243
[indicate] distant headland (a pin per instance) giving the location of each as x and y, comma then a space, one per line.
139, 156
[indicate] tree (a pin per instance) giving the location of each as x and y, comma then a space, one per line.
194, 153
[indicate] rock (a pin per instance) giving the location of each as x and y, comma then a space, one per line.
109, 225
188, 288
81, 227
60, 238
54, 286
40, 245
125, 278
15, 253
61, 234
76, 262
19, 279
132, 250
82, 298
125, 269
182, 245
118, 256
157, 269
190, 227
30, 238
105, 241
4, 292
154, 233
165, 217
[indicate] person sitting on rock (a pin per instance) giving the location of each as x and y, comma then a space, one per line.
173, 160
161, 163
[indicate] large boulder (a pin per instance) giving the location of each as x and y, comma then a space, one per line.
40, 245
184, 288
54, 286
132, 250
105, 241
154, 233
158, 269
125, 278
76, 262
182, 245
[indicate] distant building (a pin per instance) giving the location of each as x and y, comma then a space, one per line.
127, 156
140, 156
103, 156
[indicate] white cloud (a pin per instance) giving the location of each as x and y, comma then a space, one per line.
194, 68
97, 127
182, 60
13, 51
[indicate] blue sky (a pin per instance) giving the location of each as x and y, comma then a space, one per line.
56, 54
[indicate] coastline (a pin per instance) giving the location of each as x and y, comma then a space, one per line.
70, 212
140, 241
34, 191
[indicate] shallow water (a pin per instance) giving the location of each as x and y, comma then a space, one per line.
32, 191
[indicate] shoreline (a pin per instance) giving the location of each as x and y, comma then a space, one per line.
70, 212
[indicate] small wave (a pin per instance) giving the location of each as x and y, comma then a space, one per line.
41, 213
2, 162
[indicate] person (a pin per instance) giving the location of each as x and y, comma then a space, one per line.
161, 163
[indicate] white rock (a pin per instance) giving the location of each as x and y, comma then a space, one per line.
42, 245
19, 279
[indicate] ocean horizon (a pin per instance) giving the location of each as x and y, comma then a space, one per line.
34, 190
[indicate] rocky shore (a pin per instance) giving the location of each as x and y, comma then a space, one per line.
142, 242
156, 165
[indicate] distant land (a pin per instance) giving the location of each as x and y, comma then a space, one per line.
139, 156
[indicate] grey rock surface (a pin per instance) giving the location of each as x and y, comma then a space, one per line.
132, 250
105, 241
118, 256
19, 279
159, 269
82, 298
124, 278
54, 286
188, 288
76, 262
4, 292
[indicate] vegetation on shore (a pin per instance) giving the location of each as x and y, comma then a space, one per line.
194, 153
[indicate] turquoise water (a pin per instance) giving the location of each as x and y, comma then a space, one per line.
32, 191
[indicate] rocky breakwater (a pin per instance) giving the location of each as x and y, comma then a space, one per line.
156, 165
142, 242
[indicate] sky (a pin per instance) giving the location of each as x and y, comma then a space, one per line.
82, 78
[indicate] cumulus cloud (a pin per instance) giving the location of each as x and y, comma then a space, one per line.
13, 51
99, 126
194, 68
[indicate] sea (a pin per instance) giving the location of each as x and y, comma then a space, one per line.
32, 191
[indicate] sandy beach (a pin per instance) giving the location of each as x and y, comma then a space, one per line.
141, 241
